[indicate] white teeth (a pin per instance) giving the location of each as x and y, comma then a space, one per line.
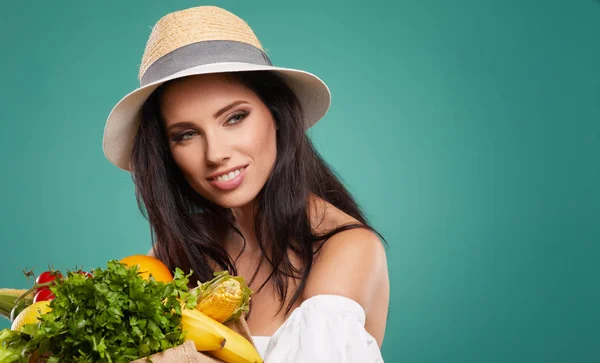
230, 175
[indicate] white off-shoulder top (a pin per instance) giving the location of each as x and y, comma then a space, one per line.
324, 328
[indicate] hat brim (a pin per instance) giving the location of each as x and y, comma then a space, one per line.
124, 119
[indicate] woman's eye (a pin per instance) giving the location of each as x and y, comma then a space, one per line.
236, 119
184, 136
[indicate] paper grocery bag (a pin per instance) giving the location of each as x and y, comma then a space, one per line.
186, 353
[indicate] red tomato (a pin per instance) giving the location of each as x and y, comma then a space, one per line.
43, 295
87, 274
47, 276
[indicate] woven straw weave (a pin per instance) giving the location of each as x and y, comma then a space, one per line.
193, 25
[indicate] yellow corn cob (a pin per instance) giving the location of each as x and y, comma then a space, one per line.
224, 298
222, 302
15, 292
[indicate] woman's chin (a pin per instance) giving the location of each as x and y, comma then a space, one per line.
233, 201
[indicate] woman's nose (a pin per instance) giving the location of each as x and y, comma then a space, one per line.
218, 149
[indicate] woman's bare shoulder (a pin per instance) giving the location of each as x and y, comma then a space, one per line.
351, 263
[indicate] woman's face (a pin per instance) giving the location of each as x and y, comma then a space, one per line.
222, 137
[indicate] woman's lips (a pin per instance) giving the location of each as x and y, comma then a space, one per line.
230, 180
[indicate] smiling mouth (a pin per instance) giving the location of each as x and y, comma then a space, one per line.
228, 176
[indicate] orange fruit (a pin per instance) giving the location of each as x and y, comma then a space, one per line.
148, 265
30, 314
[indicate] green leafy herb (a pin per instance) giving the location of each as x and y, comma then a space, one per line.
13, 346
114, 316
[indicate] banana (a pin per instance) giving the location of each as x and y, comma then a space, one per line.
216, 339
237, 349
8, 298
201, 330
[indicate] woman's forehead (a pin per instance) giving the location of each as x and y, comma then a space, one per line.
202, 94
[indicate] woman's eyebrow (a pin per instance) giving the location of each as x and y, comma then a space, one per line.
182, 124
224, 109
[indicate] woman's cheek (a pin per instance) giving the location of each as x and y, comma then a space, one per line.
261, 139
188, 159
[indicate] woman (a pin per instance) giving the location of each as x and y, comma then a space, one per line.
215, 141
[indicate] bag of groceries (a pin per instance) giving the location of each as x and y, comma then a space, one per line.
133, 310
187, 353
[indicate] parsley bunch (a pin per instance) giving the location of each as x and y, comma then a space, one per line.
113, 316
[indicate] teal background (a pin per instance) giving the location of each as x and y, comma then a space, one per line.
468, 130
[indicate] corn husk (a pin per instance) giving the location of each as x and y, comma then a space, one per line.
212, 303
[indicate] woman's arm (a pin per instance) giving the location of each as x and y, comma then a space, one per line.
353, 264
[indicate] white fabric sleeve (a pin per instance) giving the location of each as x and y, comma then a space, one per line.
324, 328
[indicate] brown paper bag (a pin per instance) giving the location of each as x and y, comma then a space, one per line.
186, 353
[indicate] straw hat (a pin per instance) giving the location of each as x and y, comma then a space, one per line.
201, 40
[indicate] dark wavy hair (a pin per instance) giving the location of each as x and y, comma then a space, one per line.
188, 230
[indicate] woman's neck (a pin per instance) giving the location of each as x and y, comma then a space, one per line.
244, 221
